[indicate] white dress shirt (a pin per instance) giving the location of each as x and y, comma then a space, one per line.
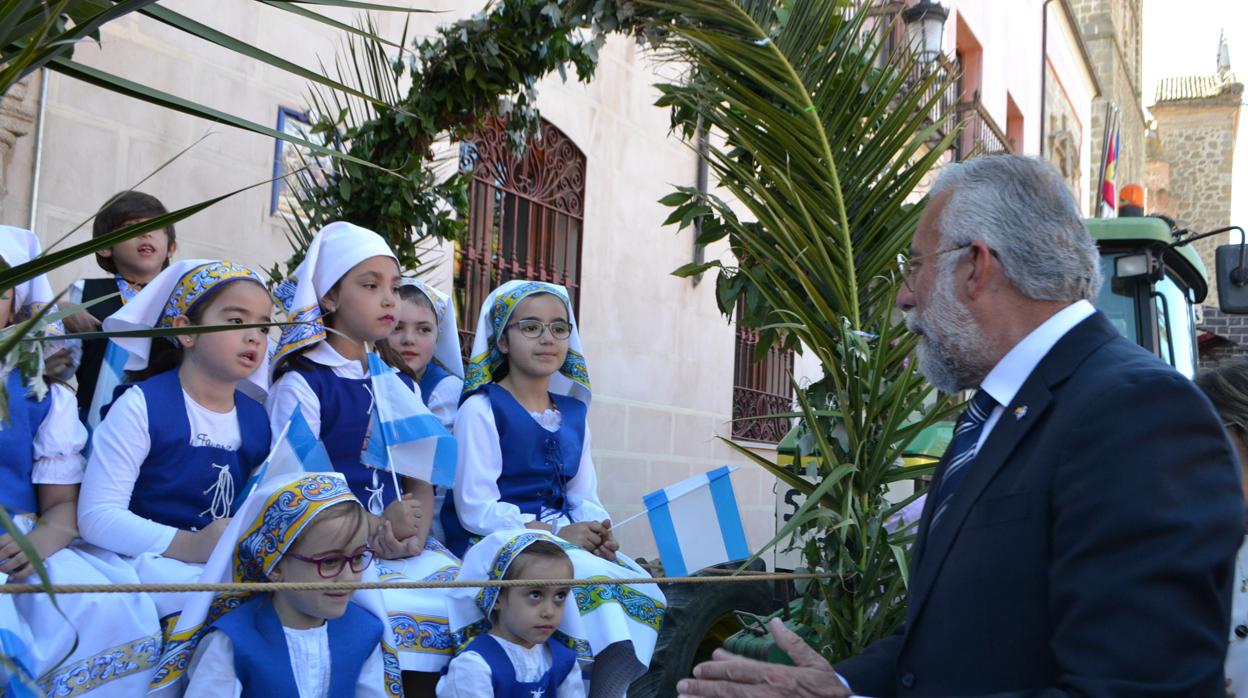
1006, 378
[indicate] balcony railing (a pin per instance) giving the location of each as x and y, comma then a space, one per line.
980, 134
935, 79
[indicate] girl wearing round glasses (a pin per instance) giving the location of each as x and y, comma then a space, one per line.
307, 528
524, 463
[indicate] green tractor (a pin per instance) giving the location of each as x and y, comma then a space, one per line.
1154, 283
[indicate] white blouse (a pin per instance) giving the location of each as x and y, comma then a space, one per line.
118, 448
212, 673
468, 676
59, 441
477, 497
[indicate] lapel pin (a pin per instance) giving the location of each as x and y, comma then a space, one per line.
1020, 412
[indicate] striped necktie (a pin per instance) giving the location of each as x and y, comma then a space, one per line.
962, 450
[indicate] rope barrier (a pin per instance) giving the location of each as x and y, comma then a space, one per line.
246, 587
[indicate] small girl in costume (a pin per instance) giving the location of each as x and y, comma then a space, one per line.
166, 458
427, 340
524, 462
41, 466
300, 527
520, 655
345, 294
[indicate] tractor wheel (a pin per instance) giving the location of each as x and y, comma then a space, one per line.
699, 618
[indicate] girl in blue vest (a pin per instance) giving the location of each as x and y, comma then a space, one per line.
524, 463
295, 527
171, 449
117, 636
426, 338
345, 294
521, 646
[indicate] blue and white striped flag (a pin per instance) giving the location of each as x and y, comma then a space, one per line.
112, 374
297, 450
405, 437
697, 523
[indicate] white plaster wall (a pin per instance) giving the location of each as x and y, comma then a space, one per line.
1010, 33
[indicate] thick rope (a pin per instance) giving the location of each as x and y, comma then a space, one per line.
246, 587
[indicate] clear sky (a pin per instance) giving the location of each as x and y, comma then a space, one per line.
1181, 38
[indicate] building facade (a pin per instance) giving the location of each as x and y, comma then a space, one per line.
1191, 162
673, 383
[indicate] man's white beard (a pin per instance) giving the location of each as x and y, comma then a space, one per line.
952, 348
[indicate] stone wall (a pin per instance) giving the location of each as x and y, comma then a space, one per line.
1197, 140
1232, 333
1113, 32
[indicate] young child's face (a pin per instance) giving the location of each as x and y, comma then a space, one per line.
541, 355
141, 259
235, 354
365, 300
338, 536
528, 616
415, 335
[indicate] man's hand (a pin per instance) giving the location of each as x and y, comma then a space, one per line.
730, 676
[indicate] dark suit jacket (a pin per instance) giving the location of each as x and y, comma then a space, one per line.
1089, 549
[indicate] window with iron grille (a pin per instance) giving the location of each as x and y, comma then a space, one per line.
525, 217
760, 387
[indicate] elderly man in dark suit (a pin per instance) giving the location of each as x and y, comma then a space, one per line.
1080, 534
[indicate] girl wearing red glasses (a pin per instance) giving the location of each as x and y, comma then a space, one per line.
306, 528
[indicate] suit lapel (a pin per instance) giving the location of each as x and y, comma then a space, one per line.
1032, 400
994, 454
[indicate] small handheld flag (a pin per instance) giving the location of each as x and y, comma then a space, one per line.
405, 438
697, 523
297, 450
112, 374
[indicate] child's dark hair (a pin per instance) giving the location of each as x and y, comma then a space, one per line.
127, 206
166, 355
541, 549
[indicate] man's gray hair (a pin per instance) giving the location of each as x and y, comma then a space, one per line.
1021, 208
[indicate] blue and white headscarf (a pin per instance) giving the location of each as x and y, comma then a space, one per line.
175, 291
470, 608
572, 378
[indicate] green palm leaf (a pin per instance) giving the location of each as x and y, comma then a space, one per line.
820, 143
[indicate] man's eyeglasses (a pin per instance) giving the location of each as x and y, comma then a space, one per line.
908, 265
559, 329
330, 565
